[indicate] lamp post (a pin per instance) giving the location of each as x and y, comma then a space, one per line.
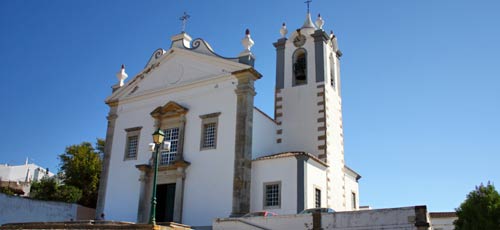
158, 137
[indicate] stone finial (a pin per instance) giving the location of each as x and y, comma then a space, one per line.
320, 22
247, 43
283, 30
121, 75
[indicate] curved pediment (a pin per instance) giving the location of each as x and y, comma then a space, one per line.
198, 45
171, 109
201, 46
155, 57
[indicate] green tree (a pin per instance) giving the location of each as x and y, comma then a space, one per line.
44, 189
99, 145
68, 193
7, 190
48, 188
480, 211
81, 168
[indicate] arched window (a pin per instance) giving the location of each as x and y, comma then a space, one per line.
299, 67
332, 71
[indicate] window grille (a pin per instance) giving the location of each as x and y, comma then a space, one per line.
317, 198
168, 157
132, 143
272, 196
209, 132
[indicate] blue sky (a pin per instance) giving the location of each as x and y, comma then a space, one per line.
420, 80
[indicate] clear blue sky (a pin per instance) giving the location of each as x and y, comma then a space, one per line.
421, 80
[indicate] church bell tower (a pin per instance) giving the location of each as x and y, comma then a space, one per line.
308, 103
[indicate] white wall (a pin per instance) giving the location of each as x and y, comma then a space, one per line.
387, 219
208, 181
273, 170
294, 222
443, 223
351, 186
339, 195
315, 178
21, 176
299, 121
22, 172
209, 177
263, 136
18, 210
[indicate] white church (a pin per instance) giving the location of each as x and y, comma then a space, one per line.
227, 157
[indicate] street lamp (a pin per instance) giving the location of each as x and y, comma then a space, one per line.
158, 137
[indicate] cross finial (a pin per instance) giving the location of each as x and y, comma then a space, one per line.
308, 2
184, 19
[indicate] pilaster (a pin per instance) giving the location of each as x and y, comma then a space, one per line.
320, 39
280, 63
301, 181
180, 146
103, 182
179, 195
144, 193
245, 93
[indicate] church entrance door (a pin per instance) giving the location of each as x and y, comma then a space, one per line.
165, 195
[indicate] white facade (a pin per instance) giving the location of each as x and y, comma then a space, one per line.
231, 158
21, 176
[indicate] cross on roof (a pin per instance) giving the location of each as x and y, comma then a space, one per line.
308, 2
184, 19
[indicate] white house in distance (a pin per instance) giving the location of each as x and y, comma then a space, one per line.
227, 157
20, 177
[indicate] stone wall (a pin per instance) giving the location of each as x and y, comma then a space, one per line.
18, 210
406, 218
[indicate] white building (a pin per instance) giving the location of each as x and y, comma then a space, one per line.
20, 177
227, 157
443, 220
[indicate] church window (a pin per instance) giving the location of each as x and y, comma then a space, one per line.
299, 67
132, 143
168, 155
317, 198
354, 205
209, 123
272, 195
209, 135
332, 71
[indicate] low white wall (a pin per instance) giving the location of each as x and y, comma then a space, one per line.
387, 219
443, 222
18, 210
394, 218
275, 222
